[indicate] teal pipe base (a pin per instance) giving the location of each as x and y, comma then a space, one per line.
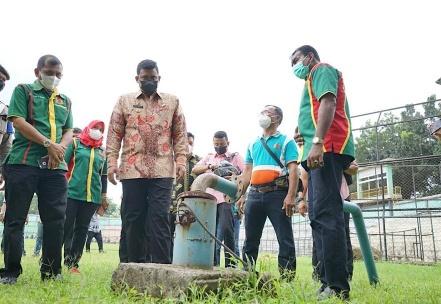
193, 247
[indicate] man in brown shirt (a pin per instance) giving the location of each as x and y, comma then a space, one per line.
151, 126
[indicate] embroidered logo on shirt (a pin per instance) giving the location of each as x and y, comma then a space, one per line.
277, 146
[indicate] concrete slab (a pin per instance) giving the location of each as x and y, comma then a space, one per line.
163, 281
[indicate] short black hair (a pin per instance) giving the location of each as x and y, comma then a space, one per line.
3, 71
146, 64
305, 49
77, 130
278, 111
48, 59
189, 134
220, 135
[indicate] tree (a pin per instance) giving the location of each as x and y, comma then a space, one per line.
113, 209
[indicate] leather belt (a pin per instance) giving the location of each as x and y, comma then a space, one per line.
267, 188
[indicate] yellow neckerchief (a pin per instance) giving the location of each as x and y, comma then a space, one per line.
52, 124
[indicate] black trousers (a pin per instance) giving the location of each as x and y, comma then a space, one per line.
123, 255
225, 233
350, 254
172, 233
98, 237
3, 243
51, 187
145, 219
259, 207
327, 221
78, 216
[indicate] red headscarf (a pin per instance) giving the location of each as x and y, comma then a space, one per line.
85, 138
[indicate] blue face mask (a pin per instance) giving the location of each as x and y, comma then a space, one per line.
300, 70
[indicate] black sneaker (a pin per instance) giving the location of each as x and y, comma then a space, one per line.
55, 277
328, 293
8, 280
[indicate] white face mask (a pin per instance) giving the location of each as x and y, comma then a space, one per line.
95, 134
264, 121
190, 149
49, 82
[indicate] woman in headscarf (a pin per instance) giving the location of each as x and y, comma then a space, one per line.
87, 187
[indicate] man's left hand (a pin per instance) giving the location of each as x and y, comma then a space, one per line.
180, 171
241, 205
53, 163
288, 205
303, 208
104, 203
315, 157
103, 207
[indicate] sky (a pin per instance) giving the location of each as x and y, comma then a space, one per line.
226, 59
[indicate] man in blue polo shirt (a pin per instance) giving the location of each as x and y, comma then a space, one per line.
273, 179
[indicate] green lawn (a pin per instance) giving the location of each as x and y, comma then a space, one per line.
399, 284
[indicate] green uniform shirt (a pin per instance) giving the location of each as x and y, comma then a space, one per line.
24, 151
86, 165
324, 79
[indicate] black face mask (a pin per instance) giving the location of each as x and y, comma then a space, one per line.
221, 150
148, 86
2, 84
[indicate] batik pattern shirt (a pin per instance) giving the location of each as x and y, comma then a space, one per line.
151, 134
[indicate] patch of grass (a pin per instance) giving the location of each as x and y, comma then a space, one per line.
400, 283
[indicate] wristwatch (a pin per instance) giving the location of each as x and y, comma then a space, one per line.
317, 140
47, 143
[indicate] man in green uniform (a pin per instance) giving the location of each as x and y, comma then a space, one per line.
43, 120
324, 123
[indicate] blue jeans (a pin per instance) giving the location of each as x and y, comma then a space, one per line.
225, 233
327, 221
39, 240
38, 244
259, 207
